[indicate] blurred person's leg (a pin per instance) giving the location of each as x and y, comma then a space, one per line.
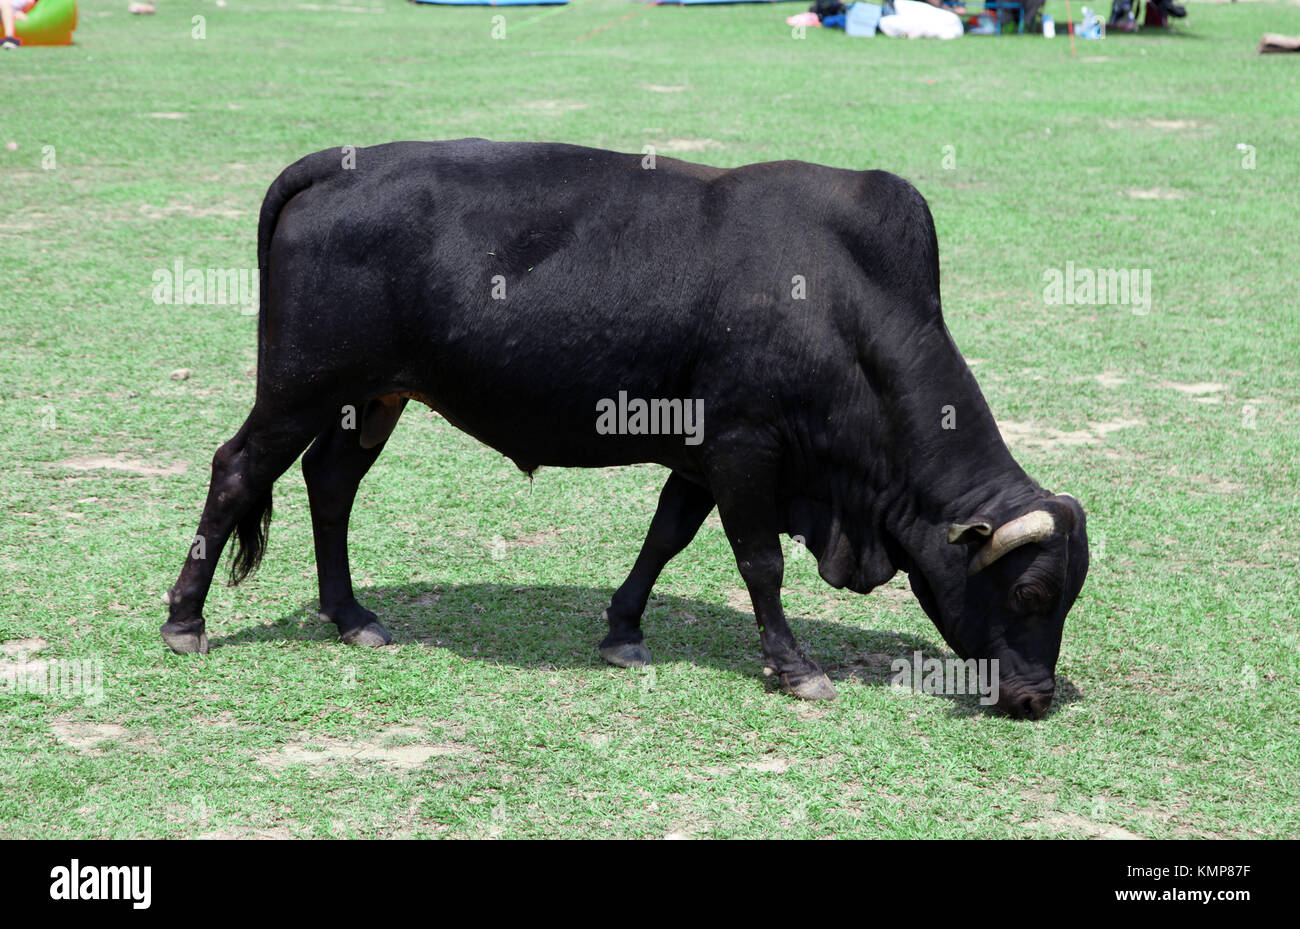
7, 18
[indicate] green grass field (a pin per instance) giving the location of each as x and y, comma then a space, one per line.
1179, 429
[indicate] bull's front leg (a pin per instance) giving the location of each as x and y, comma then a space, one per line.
683, 507
752, 526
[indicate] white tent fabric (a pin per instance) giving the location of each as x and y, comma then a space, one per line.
913, 19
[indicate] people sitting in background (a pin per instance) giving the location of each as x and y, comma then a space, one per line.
830, 8
1123, 14
10, 11
915, 19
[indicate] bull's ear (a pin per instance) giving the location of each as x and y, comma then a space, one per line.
1071, 512
966, 533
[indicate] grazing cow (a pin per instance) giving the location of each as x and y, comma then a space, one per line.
543, 297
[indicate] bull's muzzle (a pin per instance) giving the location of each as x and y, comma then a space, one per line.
1021, 700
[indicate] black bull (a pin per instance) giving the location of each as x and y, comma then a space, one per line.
520, 290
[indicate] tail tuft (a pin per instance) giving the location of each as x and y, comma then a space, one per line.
251, 532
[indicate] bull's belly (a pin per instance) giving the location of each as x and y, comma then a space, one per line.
566, 409
577, 435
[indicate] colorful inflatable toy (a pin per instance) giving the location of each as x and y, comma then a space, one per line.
49, 22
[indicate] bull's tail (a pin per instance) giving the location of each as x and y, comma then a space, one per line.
250, 538
292, 181
252, 528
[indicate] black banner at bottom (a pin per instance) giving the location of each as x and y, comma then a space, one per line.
231, 878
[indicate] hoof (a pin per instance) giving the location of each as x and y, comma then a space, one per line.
626, 654
371, 634
816, 686
185, 642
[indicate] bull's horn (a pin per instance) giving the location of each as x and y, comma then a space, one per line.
959, 530
1034, 526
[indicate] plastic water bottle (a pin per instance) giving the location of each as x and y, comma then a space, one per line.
1049, 27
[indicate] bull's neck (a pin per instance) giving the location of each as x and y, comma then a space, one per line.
947, 459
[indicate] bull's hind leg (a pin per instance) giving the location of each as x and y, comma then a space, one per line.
752, 522
682, 509
239, 501
333, 468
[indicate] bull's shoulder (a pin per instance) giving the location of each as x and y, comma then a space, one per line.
885, 224
871, 206
830, 184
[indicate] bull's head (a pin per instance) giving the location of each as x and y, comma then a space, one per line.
1022, 573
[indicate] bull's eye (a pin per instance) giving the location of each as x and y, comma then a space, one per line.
1029, 598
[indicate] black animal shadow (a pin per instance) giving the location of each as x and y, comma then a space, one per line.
554, 626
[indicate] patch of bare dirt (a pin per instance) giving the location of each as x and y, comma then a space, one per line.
766, 766
86, 736
1174, 125
385, 750
1218, 485
1195, 391
244, 832
22, 649
149, 211
533, 539
865, 666
553, 107
23, 666
225, 718
671, 146
1030, 435
769, 765
1154, 193
739, 600
809, 711
1081, 825
1163, 125
122, 463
